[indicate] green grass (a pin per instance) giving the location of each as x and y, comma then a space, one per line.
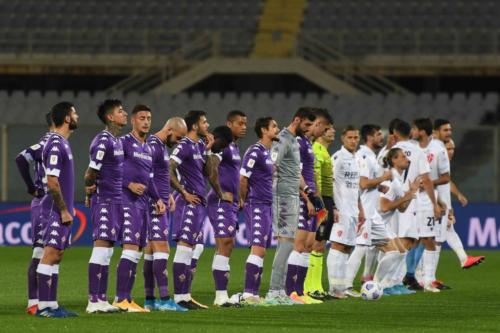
472, 305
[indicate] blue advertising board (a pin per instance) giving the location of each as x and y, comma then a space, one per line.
478, 226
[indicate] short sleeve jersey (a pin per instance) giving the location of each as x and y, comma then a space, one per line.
370, 169
191, 160
323, 170
346, 182
161, 167
229, 172
285, 155
33, 154
258, 168
307, 161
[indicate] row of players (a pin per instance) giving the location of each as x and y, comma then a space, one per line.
286, 185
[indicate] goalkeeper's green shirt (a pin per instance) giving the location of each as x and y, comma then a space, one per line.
323, 171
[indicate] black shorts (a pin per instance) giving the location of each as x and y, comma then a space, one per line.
324, 230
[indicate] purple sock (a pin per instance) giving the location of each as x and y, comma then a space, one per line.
149, 280
94, 281
53, 288
32, 279
44, 286
291, 278
301, 277
190, 275
103, 283
261, 269
131, 281
160, 273
221, 279
180, 277
123, 275
252, 273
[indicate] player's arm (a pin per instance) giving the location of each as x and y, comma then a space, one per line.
243, 189
153, 193
178, 155
53, 166
212, 172
442, 179
459, 195
278, 151
317, 173
366, 184
387, 205
23, 162
443, 166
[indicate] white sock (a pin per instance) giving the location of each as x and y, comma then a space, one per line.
429, 259
456, 245
337, 264
383, 272
353, 263
370, 260
399, 270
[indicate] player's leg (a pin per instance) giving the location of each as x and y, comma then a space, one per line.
371, 256
456, 245
149, 278
37, 231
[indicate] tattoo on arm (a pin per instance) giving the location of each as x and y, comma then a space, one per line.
174, 181
212, 172
90, 177
55, 191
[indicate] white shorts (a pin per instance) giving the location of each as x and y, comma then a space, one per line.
441, 228
427, 224
344, 231
379, 233
364, 234
405, 225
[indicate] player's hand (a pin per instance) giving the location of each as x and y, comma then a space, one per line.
311, 211
383, 189
361, 222
89, 190
438, 211
87, 201
387, 175
415, 185
66, 217
463, 200
241, 203
137, 188
171, 203
191, 198
210, 141
227, 196
160, 207
336, 217
451, 218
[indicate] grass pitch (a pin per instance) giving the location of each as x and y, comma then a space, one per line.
473, 305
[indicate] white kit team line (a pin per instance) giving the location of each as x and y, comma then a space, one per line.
389, 203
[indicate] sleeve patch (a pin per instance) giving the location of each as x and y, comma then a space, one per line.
53, 159
251, 163
99, 155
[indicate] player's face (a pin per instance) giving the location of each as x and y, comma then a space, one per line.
304, 126
271, 132
450, 148
400, 161
203, 126
378, 139
238, 126
319, 127
415, 133
141, 122
350, 140
118, 116
444, 133
175, 136
73, 119
329, 135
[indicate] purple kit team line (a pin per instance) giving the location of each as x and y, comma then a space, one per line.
287, 185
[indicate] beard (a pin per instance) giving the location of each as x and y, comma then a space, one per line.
73, 125
170, 143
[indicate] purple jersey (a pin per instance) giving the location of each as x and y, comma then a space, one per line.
307, 161
33, 154
106, 157
257, 166
161, 167
190, 157
58, 162
137, 168
229, 172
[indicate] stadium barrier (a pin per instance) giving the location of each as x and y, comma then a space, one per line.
478, 225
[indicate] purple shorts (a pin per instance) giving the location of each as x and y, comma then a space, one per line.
223, 217
158, 226
37, 226
56, 234
259, 223
107, 221
188, 221
135, 225
306, 222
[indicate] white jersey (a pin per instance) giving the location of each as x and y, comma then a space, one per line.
346, 182
381, 155
439, 164
397, 188
444, 191
418, 165
370, 169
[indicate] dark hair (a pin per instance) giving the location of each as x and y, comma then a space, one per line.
391, 154
392, 124
323, 113
423, 124
140, 107
368, 129
235, 113
403, 128
192, 118
261, 123
59, 112
440, 122
349, 128
106, 108
223, 136
305, 113
48, 119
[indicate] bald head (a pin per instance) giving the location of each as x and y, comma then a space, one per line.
176, 129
